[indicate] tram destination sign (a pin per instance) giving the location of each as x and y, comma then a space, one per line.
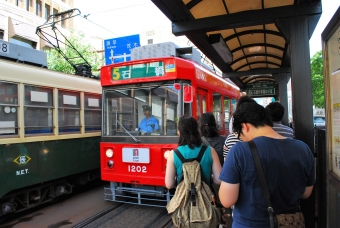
138, 71
261, 89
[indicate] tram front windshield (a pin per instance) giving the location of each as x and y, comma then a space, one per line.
146, 110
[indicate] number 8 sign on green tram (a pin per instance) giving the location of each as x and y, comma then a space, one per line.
138, 71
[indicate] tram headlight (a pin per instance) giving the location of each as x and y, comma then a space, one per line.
110, 163
109, 153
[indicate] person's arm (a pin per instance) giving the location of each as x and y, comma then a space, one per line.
228, 194
307, 193
216, 166
170, 173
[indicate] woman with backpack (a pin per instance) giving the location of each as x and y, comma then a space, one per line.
189, 145
189, 169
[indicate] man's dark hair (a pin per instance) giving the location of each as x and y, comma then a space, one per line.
276, 111
208, 125
253, 114
188, 129
244, 99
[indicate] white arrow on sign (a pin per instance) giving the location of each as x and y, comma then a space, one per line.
112, 57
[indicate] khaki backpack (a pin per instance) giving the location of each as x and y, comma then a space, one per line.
193, 204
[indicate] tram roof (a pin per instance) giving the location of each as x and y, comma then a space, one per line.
247, 40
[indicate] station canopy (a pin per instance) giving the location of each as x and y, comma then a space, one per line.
247, 40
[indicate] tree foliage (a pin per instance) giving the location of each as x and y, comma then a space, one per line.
317, 80
55, 61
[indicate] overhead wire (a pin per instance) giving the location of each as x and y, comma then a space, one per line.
89, 14
117, 9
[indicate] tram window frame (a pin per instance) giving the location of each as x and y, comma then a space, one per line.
92, 112
8, 109
67, 110
217, 110
38, 110
141, 94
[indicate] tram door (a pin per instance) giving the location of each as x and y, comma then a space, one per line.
202, 96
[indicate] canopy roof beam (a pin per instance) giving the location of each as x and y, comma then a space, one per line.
243, 19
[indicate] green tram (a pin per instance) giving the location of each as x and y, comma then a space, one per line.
50, 127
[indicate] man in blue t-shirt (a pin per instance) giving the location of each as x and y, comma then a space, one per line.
288, 166
149, 123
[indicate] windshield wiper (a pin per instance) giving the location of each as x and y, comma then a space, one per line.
133, 137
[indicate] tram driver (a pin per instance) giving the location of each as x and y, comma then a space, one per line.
149, 123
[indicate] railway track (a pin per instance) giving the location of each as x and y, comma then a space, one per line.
129, 215
88, 209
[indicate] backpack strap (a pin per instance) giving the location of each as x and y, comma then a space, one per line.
201, 153
205, 141
179, 155
198, 158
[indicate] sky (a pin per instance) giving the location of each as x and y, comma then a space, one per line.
119, 18
108, 19
328, 9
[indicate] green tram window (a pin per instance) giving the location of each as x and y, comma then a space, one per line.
92, 112
69, 112
8, 109
38, 109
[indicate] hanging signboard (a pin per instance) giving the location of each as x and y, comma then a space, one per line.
261, 89
331, 52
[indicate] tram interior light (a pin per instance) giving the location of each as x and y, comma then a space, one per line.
216, 40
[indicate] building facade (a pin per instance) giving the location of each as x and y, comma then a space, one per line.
20, 18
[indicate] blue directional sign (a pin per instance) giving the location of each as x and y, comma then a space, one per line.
119, 49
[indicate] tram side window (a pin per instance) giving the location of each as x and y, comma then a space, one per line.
68, 112
38, 109
8, 109
217, 109
233, 105
204, 104
92, 111
201, 104
227, 112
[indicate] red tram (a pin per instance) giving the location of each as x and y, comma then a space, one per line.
132, 152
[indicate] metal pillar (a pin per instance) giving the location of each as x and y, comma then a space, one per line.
302, 96
282, 80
